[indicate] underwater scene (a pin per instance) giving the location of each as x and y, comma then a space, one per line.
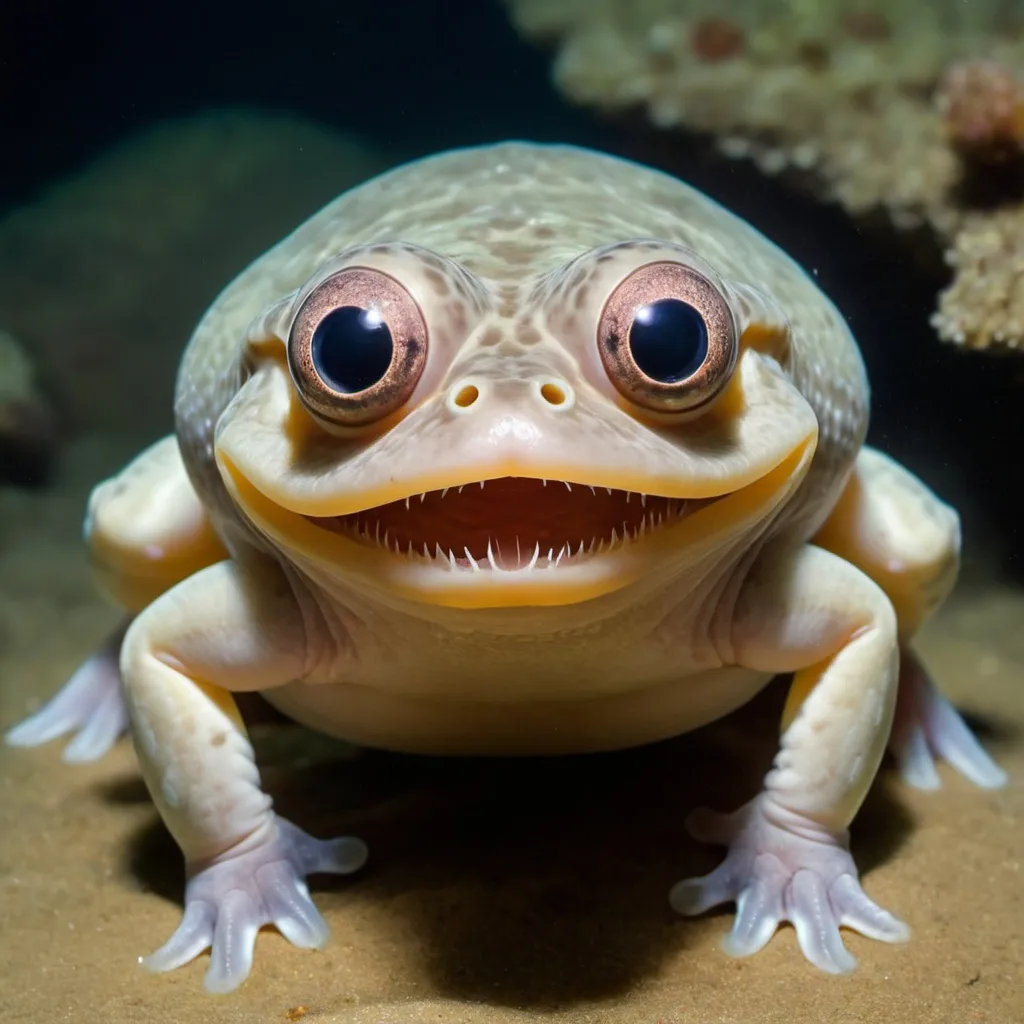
510, 511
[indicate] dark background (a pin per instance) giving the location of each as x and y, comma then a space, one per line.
414, 77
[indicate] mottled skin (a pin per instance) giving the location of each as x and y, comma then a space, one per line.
817, 556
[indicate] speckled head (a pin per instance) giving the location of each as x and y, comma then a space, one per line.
516, 375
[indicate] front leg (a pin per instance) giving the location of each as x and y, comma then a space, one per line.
147, 530
811, 613
891, 526
225, 628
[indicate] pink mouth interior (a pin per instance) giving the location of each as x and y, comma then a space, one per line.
513, 516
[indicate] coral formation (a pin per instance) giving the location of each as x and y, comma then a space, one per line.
984, 306
982, 103
896, 106
104, 276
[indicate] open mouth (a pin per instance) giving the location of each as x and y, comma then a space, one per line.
510, 524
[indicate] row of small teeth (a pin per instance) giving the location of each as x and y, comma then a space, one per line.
593, 490
538, 560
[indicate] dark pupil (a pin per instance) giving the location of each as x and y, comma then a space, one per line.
668, 340
352, 349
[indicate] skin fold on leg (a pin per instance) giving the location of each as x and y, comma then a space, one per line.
147, 530
814, 614
225, 628
891, 526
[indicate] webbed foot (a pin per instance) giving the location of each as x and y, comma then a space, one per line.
927, 727
780, 867
261, 882
90, 704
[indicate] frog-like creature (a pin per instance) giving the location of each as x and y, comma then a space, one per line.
518, 449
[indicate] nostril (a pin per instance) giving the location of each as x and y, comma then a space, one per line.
553, 394
556, 393
462, 396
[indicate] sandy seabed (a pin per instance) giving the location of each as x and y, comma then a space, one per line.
496, 891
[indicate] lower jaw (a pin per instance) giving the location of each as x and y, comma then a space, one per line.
539, 577
403, 582
459, 583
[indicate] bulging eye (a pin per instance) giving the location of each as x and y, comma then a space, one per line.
667, 338
357, 347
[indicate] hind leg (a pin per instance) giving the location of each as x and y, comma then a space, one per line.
147, 530
900, 534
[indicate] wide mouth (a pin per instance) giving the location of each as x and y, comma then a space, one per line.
510, 524
514, 541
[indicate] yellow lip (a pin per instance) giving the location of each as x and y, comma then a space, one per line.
377, 570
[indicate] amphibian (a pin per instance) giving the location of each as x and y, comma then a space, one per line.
518, 450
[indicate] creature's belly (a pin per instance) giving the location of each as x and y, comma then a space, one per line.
418, 725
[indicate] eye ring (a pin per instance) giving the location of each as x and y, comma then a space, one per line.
357, 299
692, 299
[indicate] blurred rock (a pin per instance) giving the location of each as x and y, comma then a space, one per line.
103, 277
28, 427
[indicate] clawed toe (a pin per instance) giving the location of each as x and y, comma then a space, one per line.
855, 909
290, 907
927, 728
227, 902
192, 936
780, 870
90, 704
